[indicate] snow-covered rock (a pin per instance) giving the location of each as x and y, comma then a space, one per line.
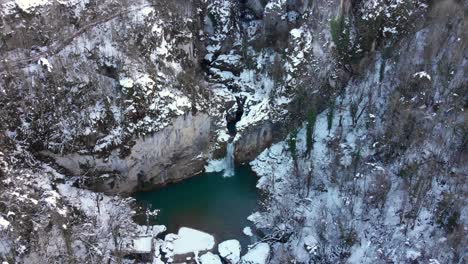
257, 255
3, 223
215, 165
412, 254
45, 63
143, 244
126, 82
247, 231
230, 251
210, 258
192, 240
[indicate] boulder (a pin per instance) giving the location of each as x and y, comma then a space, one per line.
257, 255
230, 251
210, 258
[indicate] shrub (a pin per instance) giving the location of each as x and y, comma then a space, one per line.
353, 110
311, 118
356, 158
330, 115
292, 140
379, 189
408, 171
447, 214
369, 33
385, 55
339, 28
348, 235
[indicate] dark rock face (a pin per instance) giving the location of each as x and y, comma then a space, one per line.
257, 6
253, 141
232, 117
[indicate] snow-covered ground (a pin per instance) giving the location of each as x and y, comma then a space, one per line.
345, 197
80, 217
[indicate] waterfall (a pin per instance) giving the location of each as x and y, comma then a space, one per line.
229, 160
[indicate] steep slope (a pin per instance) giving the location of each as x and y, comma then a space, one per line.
380, 176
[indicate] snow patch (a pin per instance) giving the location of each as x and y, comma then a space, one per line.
296, 32
145, 81
275, 6
256, 114
422, 74
126, 82
29, 6
45, 63
52, 198
392, 30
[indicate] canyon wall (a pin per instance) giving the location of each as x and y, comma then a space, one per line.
172, 154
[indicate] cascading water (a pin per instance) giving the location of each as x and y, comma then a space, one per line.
233, 116
229, 160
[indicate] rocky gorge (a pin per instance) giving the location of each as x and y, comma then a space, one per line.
351, 113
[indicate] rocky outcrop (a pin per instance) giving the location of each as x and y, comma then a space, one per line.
253, 141
172, 154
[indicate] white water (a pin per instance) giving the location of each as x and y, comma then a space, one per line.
226, 164
229, 160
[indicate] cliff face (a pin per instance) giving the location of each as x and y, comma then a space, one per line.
364, 103
170, 155
91, 77
86, 82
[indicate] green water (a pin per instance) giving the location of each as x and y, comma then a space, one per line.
208, 202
